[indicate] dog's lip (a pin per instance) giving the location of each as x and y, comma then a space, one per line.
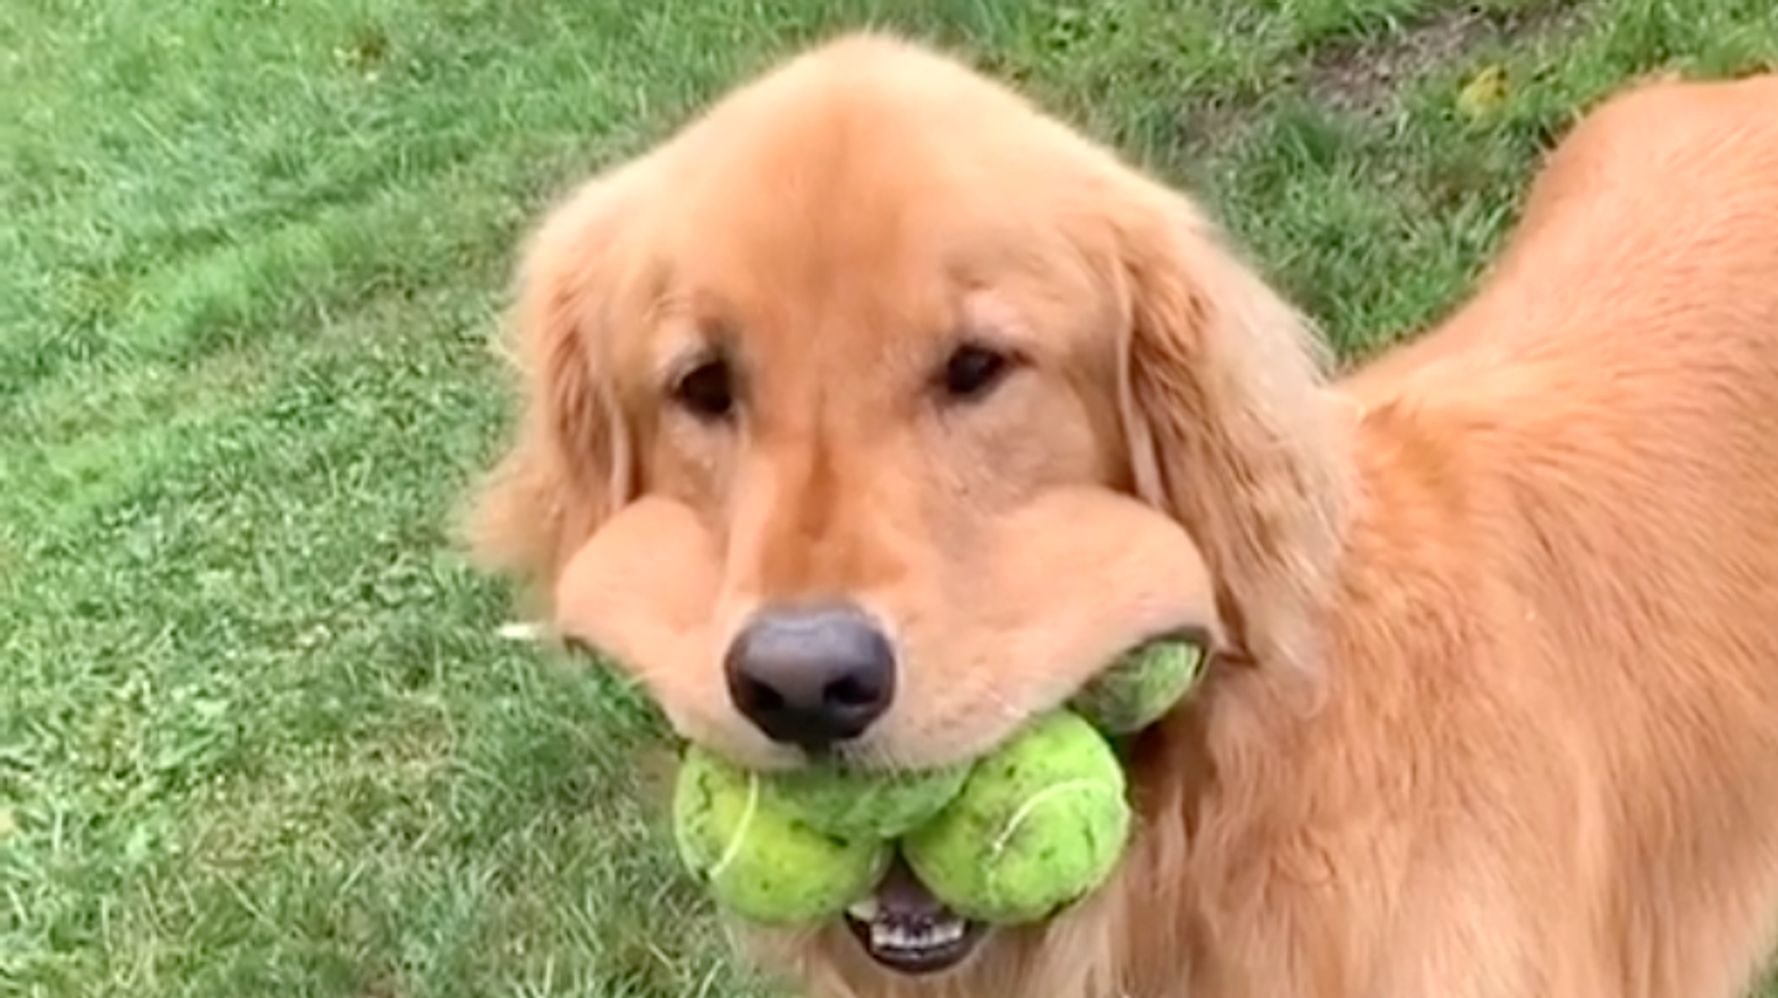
903, 906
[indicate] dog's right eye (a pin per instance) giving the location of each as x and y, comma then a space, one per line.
707, 390
973, 369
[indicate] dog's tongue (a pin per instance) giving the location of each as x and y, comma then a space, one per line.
906, 929
903, 896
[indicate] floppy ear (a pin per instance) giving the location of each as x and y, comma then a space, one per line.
571, 464
1232, 428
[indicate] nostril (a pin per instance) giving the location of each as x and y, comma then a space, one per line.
854, 692
762, 697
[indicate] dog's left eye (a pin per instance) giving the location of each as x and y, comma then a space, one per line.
707, 390
973, 370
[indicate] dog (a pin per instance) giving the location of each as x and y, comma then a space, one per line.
869, 414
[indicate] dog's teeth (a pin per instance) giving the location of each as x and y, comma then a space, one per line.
889, 936
865, 910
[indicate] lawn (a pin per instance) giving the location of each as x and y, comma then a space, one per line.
258, 732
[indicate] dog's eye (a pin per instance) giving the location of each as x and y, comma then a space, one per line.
972, 370
707, 390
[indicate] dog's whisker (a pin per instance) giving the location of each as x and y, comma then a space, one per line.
1008, 710
875, 756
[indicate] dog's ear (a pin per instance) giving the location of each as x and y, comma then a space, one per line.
1232, 428
570, 466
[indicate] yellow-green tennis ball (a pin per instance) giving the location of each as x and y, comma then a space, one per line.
1040, 823
1141, 686
757, 859
860, 804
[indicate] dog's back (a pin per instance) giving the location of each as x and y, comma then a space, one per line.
1576, 480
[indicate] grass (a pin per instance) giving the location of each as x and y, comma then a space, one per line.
257, 733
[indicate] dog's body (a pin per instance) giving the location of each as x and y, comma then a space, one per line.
1548, 764
1559, 620
1497, 713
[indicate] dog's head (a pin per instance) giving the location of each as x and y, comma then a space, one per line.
875, 411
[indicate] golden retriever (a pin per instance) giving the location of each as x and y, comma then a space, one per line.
875, 409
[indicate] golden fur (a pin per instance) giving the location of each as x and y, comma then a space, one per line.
1495, 708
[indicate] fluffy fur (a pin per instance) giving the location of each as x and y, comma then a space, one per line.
1495, 709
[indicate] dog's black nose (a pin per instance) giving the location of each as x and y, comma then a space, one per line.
811, 675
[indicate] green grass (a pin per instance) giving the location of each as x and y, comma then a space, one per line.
257, 734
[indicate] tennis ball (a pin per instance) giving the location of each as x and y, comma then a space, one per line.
1141, 686
756, 858
857, 804
1041, 822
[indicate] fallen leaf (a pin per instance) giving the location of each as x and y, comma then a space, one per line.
1484, 94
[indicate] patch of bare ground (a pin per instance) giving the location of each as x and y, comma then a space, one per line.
1358, 75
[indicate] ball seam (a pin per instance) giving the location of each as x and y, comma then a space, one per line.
733, 850
1031, 804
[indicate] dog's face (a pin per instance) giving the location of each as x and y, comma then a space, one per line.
875, 412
